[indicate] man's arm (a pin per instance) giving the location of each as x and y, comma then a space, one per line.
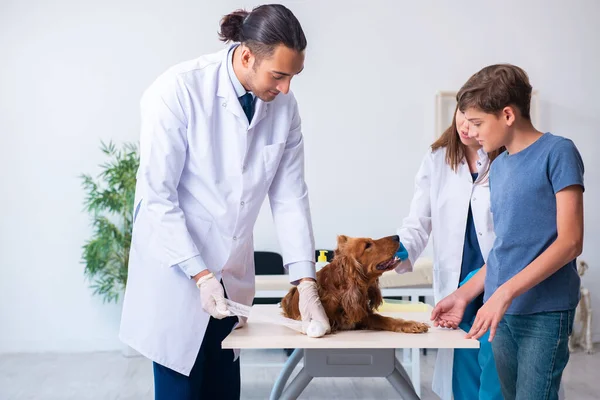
288, 196
163, 147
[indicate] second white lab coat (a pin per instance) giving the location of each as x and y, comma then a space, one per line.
439, 209
204, 174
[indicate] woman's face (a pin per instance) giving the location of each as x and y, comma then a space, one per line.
462, 126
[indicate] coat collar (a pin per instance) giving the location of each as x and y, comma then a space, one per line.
482, 167
229, 98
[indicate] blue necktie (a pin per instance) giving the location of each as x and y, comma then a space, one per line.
248, 105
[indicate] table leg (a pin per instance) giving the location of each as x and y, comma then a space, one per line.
416, 370
399, 380
415, 362
298, 384
285, 373
403, 372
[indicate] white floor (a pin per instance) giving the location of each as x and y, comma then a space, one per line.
112, 376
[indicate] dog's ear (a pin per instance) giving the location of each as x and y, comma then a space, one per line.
342, 240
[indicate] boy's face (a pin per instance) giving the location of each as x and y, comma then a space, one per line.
490, 130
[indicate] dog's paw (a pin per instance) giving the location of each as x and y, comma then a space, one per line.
413, 327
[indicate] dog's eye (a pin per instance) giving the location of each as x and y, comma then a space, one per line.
368, 245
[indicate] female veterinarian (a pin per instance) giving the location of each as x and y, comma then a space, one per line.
452, 201
219, 133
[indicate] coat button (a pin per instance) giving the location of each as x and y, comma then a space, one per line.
480, 234
242, 203
224, 104
235, 238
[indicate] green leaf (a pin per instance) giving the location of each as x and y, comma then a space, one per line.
109, 201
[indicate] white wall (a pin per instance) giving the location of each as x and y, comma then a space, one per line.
71, 73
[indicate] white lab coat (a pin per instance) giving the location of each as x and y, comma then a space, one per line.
204, 173
440, 208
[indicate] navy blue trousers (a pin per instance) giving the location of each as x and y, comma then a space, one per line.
214, 376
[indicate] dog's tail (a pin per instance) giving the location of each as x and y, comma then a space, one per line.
290, 304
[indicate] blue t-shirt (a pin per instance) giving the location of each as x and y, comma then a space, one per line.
523, 203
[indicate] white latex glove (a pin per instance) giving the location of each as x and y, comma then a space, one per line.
212, 296
314, 320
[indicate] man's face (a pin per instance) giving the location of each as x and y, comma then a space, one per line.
490, 130
269, 76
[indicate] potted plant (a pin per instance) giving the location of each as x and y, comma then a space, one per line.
109, 201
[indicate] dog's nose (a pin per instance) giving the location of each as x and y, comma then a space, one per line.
396, 238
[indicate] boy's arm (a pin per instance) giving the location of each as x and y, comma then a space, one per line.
474, 286
449, 311
566, 247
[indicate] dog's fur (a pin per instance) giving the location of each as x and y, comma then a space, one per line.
349, 287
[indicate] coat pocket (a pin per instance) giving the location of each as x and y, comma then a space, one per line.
272, 155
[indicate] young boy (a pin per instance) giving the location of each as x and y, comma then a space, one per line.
530, 280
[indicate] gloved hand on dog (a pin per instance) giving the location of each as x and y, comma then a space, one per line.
314, 319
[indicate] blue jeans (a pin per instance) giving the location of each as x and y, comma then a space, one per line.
474, 373
531, 352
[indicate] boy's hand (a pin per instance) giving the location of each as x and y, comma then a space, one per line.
449, 311
490, 314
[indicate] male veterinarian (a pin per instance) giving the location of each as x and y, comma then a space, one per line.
218, 134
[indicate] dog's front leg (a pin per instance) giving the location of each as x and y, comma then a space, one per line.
375, 299
380, 323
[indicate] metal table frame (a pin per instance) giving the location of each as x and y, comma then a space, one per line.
342, 363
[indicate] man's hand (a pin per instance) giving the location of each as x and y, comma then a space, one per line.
449, 311
212, 296
490, 314
314, 319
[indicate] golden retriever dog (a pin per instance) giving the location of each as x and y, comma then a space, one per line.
349, 287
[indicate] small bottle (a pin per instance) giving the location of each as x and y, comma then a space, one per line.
321, 260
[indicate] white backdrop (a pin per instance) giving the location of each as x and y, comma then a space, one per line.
72, 72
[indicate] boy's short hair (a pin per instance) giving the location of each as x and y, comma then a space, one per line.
495, 87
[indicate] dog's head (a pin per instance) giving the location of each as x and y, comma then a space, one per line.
374, 257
